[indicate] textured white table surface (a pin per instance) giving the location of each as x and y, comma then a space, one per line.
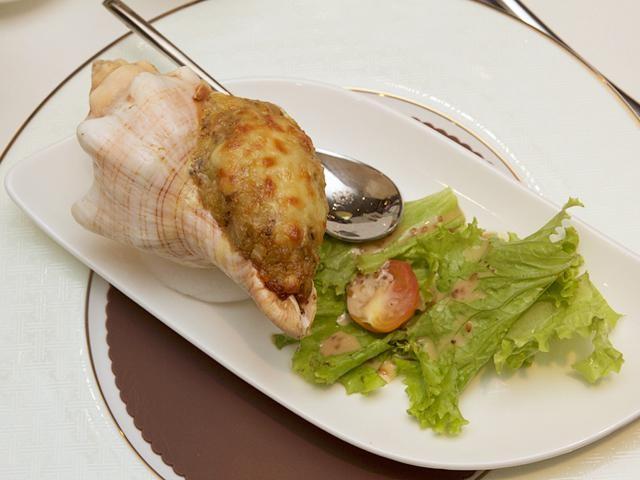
43, 41
605, 33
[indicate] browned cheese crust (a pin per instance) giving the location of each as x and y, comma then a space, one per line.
257, 173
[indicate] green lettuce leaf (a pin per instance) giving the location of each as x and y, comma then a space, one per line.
365, 378
604, 359
483, 298
330, 304
558, 314
339, 263
337, 267
425, 211
455, 338
310, 362
280, 340
421, 219
434, 406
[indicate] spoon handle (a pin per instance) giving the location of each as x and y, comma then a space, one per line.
139, 25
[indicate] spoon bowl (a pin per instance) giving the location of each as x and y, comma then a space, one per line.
364, 204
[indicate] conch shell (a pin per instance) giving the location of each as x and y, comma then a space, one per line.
142, 131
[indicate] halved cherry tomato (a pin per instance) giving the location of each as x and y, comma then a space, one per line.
384, 300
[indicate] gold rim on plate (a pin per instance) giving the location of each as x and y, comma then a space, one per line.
444, 116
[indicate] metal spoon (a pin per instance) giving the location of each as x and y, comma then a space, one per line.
364, 204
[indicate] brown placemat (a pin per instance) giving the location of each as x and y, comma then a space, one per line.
208, 424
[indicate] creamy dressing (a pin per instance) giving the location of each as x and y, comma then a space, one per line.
458, 340
387, 370
475, 253
431, 224
462, 335
466, 290
429, 347
344, 319
437, 294
428, 226
339, 343
365, 297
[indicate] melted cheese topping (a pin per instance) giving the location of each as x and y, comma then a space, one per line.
339, 343
257, 173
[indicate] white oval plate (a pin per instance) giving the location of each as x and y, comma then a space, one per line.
546, 409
